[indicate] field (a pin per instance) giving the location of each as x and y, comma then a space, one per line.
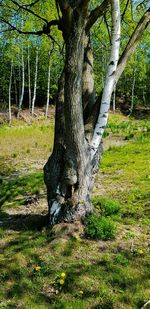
65, 268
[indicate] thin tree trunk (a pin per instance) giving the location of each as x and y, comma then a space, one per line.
15, 86
29, 77
48, 86
132, 93
23, 77
114, 99
143, 94
35, 82
10, 84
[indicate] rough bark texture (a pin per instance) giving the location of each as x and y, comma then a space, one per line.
71, 169
68, 191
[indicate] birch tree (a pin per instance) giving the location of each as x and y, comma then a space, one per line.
23, 78
10, 84
48, 84
35, 81
29, 77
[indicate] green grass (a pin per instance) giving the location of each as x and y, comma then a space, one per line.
99, 274
14, 192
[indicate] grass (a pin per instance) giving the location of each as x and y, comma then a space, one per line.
98, 273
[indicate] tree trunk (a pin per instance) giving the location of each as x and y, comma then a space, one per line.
23, 73
48, 86
88, 88
29, 77
10, 83
71, 169
114, 99
15, 87
110, 78
35, 83
132, 94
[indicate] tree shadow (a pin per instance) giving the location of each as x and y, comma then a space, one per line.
23, 222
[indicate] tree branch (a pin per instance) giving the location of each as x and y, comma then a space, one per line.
45, 30
28, 10
123, 14
98, 12
132, 44
31, 4
40, 32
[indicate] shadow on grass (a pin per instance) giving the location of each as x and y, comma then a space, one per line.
20, 222
17, 190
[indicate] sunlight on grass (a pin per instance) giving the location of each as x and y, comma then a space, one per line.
96, 273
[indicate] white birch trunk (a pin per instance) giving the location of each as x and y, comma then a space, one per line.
22, 90
48, 88
110, 78
29, 77
35, 82
10, 83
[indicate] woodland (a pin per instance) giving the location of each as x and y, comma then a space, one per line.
74, 154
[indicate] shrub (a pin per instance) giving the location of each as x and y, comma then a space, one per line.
99, 227
108, 207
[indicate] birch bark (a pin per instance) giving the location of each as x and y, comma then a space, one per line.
48, 87
29, 77
110, 78
23, 77
10, 83
35, 82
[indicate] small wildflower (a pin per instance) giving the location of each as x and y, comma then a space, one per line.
38, 268
61, 281
81, 292
140, 251
63, 275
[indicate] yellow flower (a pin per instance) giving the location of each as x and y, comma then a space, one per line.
140, 251
37, 268
63, 275
81, 292
61, 281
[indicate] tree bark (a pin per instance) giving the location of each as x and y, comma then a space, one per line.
23, 77
35, 83
29, 77
10, 83
88, 88
132, 93
48, 86
110, 79
70, 171
114, 99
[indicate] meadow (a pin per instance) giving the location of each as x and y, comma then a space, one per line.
105, 265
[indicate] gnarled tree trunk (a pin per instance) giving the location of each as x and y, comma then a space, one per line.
70, 171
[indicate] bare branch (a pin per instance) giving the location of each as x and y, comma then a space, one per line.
31, 4
28, 10
124, 12
12, 27
98, 12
